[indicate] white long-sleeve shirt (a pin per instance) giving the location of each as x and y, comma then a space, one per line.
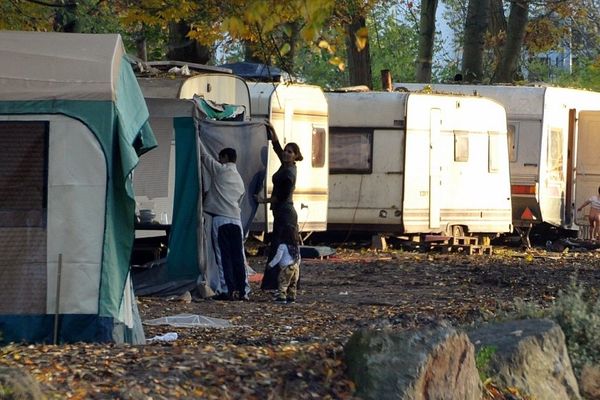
224, 196
282, 257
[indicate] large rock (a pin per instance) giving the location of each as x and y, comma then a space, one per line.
16, 384
435, 363
529, 355
589, 382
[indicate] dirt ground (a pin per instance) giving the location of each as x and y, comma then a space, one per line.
295, 351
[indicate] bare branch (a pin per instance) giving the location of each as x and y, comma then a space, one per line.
47, 4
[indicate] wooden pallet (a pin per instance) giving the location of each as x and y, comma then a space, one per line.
458, 244
481, 249
464, 240
469, 249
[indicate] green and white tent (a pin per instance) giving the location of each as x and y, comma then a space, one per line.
73, 123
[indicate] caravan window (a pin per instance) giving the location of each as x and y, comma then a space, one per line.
512, 137
350, 151
318, 147
461, 146
555, 154
494, 151
24, 166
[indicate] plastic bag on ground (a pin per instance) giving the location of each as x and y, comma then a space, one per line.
167, 337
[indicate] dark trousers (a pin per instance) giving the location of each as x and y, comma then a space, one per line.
283, 216
232, 258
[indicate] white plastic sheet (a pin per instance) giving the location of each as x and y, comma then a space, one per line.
190, 321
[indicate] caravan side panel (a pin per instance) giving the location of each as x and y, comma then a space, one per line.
524, 111
299, 113
541, 121
154, 176
584, 107
587, 175
366, 161
456, 168
220, 88
437, 161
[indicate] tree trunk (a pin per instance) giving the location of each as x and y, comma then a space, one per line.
182, 48
252, 53
288, 59
426, 37
359, 60
141, 47
65, 18
476, 25
497, 27
515, 33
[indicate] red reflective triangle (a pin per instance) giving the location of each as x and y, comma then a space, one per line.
527, 214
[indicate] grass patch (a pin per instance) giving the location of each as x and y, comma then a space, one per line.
482, 361
6, 392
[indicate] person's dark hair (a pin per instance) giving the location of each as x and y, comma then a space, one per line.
598, 189
229, 153
296, 150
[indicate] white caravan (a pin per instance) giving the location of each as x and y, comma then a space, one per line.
553, 148
299, 114
417, 163
154, 177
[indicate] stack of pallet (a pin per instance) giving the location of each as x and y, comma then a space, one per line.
466, 244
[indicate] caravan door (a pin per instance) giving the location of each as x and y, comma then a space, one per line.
435, 123
306, 125
587, 170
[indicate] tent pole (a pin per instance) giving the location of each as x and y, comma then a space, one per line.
57, 310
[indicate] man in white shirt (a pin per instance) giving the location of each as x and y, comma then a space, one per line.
223, 201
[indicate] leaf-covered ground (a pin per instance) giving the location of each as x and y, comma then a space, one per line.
294, 351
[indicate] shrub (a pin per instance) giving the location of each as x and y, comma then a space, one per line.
578, 315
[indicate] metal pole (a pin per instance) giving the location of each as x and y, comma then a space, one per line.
57, 309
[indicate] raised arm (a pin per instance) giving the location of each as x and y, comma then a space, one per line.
275, 141
208, 161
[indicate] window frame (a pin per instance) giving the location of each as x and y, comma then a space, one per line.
458, 157
513, 153
553, 169
322, 146
334, 132
494, 164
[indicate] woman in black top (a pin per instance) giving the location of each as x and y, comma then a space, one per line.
284, 183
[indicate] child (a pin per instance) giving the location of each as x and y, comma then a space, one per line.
288, 259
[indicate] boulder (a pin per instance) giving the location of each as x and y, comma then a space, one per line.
589, 383
529, 355
434, 363
17, 384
